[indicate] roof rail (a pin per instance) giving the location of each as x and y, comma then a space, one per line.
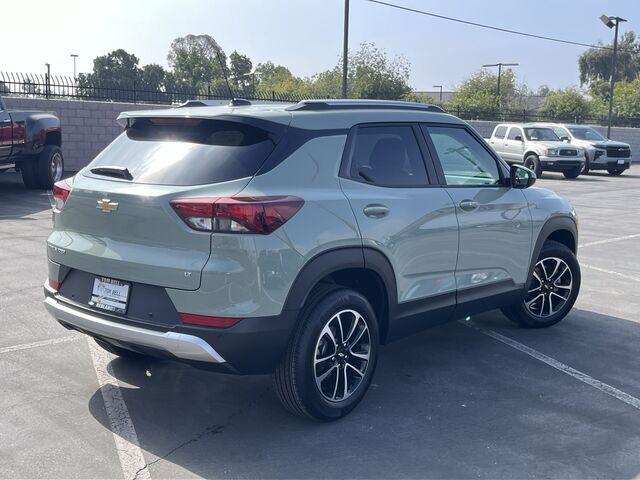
235, 102
318, 105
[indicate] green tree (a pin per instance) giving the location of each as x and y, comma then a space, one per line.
240, 68
372, 74
595, 64
278, 80
479, 92
626, 99
197, 62
565, 104
115, 70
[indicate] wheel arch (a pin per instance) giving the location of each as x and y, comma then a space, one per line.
365, 270
559, 229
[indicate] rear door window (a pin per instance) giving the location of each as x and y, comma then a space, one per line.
187, 151
388, 156
500, 132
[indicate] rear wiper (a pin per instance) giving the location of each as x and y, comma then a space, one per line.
113, 171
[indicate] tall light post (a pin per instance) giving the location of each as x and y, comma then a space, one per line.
500, 65
74, 56
47, 80
345, 49
440, 87
612, 22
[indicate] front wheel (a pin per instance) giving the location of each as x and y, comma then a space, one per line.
574, 172
331, 358
532, 162
552, 290
615, 171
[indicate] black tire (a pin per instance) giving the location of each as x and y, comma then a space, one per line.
587, 167
119, 351
525, 316
532, 162
48, 174
295, 378
615, 171
29, 171
574, 172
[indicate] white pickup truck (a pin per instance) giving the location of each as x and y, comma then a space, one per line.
538, 148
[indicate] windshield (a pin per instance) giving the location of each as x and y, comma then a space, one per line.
586, 133
537, 134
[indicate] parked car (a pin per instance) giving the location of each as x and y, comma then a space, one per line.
538, 148
30, 142
601, 153
296, 239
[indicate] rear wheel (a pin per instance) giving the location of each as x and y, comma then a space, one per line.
331, 359
44, 170
615, 171
119, 351
532, 162
552, 290
574, 172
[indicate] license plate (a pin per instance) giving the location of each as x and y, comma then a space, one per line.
110, 295
620, 162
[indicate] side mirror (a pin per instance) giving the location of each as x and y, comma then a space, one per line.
521, 177
564, 139
518, 138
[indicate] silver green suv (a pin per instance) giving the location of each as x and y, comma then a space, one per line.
295, 239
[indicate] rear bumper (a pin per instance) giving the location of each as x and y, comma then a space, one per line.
252, 346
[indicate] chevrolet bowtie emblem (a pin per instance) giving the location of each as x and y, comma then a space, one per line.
106, 205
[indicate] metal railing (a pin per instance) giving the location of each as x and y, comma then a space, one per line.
61, 87
64, 87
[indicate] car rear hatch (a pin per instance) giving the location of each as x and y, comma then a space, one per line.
118, 222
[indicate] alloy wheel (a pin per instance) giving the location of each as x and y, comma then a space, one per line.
550, 288
341, 356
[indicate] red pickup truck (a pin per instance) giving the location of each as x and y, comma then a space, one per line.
30, 142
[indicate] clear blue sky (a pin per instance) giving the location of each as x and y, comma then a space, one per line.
306, 35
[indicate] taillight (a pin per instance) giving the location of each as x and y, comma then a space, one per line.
261, 215
208, 321
54, 284
61, 191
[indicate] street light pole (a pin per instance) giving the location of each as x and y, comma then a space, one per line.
612, 22
440, 87
345, 49
500, 65
74, 56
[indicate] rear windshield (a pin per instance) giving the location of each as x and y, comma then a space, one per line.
186, 151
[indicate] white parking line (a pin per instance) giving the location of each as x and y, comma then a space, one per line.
610, 272
124, 433
42, 343
577, 374
609, 240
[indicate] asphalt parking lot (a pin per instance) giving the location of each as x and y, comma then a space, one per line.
452, 402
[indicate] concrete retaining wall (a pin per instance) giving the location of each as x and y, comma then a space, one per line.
88, 127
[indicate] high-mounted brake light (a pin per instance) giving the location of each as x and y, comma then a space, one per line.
261, 215
61, 191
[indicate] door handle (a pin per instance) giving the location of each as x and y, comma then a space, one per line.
376, 211
468, 205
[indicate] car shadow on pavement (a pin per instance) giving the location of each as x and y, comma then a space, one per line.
449, 402
17, 202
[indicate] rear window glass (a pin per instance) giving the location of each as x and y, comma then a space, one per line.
187, 151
